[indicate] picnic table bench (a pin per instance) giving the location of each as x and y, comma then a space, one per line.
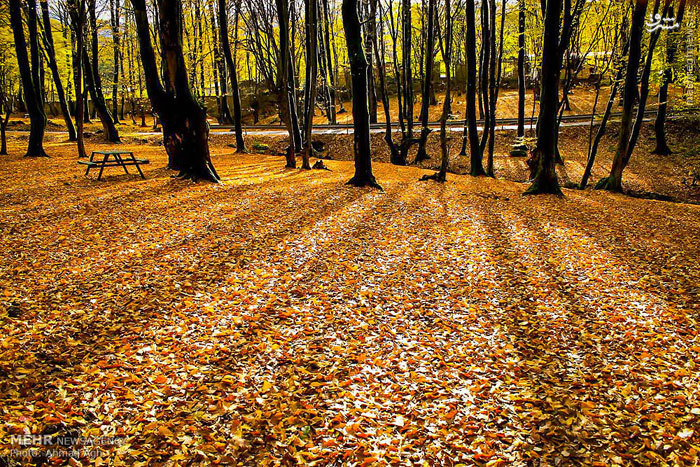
116, 161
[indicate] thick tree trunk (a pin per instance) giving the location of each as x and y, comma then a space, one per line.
30, 74
613, 182
542, 170
360, 109
476, 156
233, 73
185, 129
53, 65
427, 82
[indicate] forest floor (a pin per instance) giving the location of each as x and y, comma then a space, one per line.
284, 317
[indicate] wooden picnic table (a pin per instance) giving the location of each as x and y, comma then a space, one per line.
117, 161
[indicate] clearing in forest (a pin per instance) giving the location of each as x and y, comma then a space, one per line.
282, 316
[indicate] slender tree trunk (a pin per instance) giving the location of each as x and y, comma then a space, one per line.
613, 182
233, 73
447, 56
94, 82
644, 83
3, 130
116, 41
381, 74
331, 72
360, 109
53, 65
662, 147
185, 128
30, 74
76, 9
286, 75
495, 80
311, 76
427, 82
406, 67
520, 148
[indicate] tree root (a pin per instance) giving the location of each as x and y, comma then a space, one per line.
42, 154
538, 188
319, 165
364, 181
437, 176
608, 184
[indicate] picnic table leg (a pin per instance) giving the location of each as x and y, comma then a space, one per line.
137, 165
121, 161
87, 171
102, 167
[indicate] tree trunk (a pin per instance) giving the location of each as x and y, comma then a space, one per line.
30, 74
521, 68
185, 129
286, 76
76, 10
311, 21
116, 40
53, 65
329, 63
381, 74
94, 82
644, 86
447, 56
662, 147
360, 109
613, 182
476, 156
542, 169
427, 82
233, 73
3, 130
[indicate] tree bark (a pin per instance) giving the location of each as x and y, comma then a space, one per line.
542, 170
311, 21
76, 11
476, 155
360, 109
3, 130
427, 82
185, 129
662, 147
287, 79
94, 82
30, 74
116, 41
521, 68
381, 74
233, 74
613, 182
53, 65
